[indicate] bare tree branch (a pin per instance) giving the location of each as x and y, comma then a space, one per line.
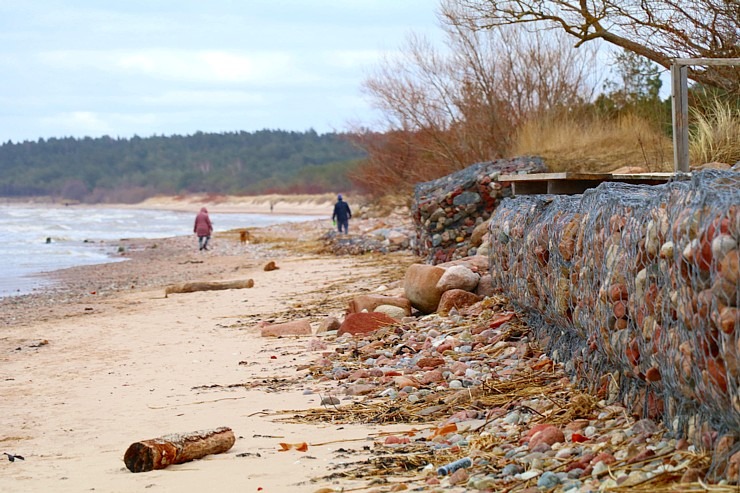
444, 110
660, 30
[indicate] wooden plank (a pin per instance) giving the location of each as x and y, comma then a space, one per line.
568, 183
654, 176
707, 61
567, 175
535, 177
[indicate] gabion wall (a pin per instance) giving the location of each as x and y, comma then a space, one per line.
636, 290
447, 210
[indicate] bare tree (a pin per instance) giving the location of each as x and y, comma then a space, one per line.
444, 110
660, 30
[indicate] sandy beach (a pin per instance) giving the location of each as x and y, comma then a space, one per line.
262, 204
104, 360
107, 360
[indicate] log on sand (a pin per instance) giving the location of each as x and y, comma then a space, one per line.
177, 448
191, 287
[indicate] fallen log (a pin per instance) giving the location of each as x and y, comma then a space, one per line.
191, 287
177, 448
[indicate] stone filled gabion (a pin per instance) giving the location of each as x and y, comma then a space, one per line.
447, 210
636, 289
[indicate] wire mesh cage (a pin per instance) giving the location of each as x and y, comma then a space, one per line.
636, 290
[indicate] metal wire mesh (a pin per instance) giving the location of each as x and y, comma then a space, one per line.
447, 210
636, 290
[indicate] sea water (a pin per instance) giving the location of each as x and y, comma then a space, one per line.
37, 239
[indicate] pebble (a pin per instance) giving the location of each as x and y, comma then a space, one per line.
512, 469
330, 401
548, 480
582, 446
527, 475
599, 468
512, 418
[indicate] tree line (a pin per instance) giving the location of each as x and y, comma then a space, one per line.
516, 78
107, 169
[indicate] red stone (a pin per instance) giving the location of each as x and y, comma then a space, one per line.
394, 440
645, 454
364, 323
295, 328
430, 362
431, 377
456, 298
500, 319
549, 435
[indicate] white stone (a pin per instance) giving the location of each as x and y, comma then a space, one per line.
458, 277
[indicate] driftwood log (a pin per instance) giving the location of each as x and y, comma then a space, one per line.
191, 287
177, 448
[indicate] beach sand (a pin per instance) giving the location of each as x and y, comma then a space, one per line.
262, 204
103, 360
106, 360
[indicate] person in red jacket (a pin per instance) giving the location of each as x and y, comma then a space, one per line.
203, 228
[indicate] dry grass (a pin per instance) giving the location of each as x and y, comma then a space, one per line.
715, 135
588, 144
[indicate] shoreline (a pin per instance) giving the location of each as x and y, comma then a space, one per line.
298, 205
88, 283
230, 214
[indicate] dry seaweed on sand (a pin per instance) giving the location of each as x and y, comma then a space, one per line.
270, 384
405, 461
378, 412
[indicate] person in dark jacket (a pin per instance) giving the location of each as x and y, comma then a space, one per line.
203, 228
342, 214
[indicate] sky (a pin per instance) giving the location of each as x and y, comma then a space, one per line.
87, 68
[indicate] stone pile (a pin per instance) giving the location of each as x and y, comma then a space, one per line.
636, 291
370, 235
449, 213
487, 409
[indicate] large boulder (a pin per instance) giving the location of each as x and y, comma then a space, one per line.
458, 277
476, 263
420, 286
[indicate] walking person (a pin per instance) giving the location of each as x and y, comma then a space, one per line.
342, 214
203, 228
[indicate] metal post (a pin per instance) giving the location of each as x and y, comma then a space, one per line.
680, 92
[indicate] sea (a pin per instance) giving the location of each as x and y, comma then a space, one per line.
37, 239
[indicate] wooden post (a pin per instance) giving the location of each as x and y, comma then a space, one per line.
159, 453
